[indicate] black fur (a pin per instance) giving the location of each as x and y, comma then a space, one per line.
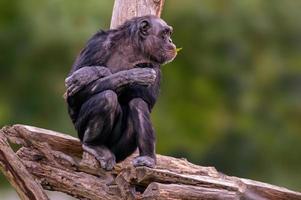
112, 122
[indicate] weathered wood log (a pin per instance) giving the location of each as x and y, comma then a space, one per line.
55, 161
16, 173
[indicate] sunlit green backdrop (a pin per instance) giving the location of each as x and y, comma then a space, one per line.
231, 99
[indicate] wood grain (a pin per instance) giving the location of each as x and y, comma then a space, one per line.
57, 165
127, 9
17, 174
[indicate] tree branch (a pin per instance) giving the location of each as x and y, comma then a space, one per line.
58, 163
16, 173
127, 9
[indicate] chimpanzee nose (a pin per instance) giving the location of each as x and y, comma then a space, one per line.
171, 47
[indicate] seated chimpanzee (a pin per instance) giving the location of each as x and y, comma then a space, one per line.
114, 84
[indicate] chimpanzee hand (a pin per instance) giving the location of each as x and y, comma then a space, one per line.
142, 76
83, 77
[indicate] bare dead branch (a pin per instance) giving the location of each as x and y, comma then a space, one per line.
57, 165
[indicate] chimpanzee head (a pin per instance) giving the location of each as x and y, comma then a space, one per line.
155, 39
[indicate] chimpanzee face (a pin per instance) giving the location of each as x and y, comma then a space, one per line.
156, 39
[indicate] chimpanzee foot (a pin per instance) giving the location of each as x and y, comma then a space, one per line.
106, 163
144, 161
103, 155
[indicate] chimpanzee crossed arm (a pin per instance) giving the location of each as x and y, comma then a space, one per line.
86, 75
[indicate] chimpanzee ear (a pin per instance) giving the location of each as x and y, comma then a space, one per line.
144, 27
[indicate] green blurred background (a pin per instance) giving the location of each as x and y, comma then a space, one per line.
231, 99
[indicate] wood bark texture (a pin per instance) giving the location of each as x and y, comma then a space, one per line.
127, 9
56, 162
17, 174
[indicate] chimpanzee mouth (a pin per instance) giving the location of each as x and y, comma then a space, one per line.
170, 55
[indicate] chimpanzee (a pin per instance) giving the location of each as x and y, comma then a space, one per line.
113, 86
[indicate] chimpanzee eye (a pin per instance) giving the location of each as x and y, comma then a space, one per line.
168, 31
165, 33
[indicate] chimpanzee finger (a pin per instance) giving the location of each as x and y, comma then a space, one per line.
75, 89
68, 81
71, 89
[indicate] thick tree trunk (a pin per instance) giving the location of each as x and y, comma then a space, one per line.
126, 9
55, 161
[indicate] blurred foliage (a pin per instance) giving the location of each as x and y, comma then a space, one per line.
231, 99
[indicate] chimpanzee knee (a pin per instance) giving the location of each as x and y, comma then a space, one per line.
97, 116
108, 101
137, 104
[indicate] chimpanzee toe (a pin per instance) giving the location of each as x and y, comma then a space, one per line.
144, 161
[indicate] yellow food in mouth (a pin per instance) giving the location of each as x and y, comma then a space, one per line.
178, 49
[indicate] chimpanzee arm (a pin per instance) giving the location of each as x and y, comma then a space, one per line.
83, 76
117, 81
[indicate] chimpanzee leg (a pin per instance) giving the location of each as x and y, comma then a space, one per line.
145, 135
138, 131
126, 143
96, 120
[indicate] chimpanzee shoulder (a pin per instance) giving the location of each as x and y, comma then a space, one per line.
95, 53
